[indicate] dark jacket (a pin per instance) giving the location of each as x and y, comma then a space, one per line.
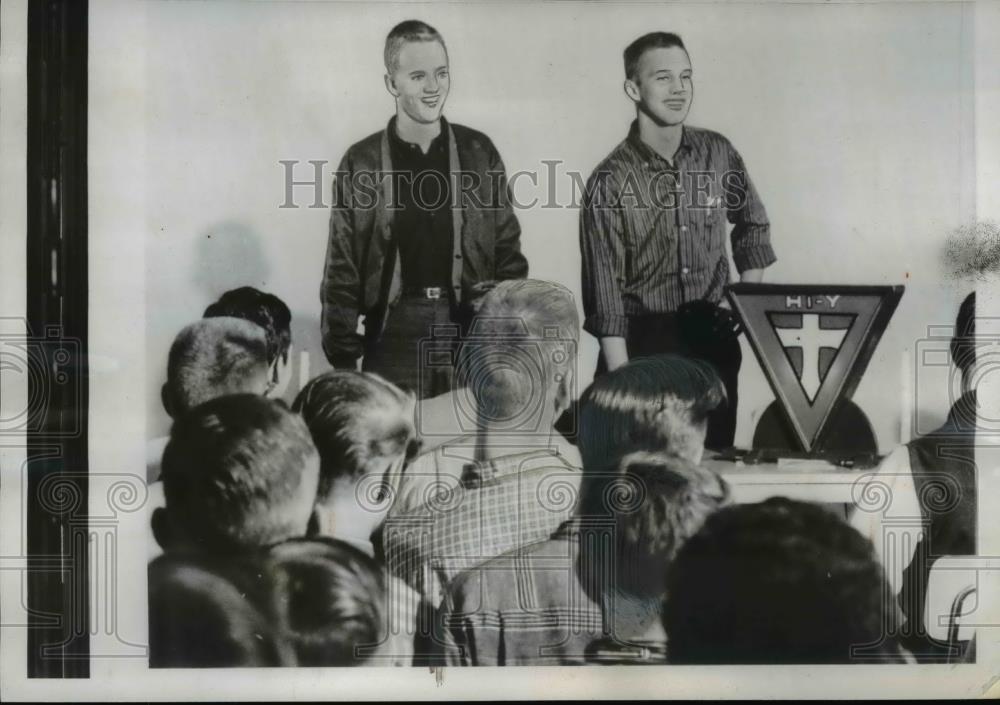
362, 272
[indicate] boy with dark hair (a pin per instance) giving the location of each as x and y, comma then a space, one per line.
931, 486
329, 600
239, 474
653, 228
199, 618
422, 224
780, 582
271, 314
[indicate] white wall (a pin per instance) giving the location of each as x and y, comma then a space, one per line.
855, 121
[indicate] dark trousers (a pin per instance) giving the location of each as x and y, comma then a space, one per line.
658, 334
415, 351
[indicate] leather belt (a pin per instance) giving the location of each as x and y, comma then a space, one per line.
425, 292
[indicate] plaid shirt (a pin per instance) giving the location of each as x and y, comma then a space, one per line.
530, 607
652, 233
452, 514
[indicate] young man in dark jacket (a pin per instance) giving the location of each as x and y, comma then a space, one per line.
422, 225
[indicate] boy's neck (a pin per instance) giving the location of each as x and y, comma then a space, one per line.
495, 443
345, 519
637, 618
663, 139
418, 133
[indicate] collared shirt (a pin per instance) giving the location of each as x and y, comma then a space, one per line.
452, 514
422, 228
652, 233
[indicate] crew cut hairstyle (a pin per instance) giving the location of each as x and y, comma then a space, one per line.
359, 421
214, 357
239, 473
405, 32
650, 403
653, 40
524, 336
658, 504
266, 310
329, 601
779, 582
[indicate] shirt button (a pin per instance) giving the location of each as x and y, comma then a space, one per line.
458, 256
684, 270
684, 228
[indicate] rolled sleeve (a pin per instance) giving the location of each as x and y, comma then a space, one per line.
602, 255
606, 326
754, 256
751, 235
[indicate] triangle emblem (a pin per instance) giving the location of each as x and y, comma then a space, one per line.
813, 343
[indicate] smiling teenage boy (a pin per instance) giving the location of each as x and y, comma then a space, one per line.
422, 225
653, 227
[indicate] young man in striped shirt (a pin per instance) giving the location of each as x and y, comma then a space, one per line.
653, 225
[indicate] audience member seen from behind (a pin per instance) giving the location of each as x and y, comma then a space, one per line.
209, 359
518, 364
658, 504
363, 428
329, 602
516, 371
659, 405
271, 314
780, 582
201, 619
239, 474
931, 486
212, 358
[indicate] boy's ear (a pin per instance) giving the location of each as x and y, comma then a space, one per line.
564, 391
166, 400
632, 91
312, 528
161, 528
390, 85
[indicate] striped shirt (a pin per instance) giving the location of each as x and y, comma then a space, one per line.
652, 233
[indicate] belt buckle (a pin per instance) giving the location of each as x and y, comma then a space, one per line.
432, 292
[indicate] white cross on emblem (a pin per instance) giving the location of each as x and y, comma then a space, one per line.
811, 338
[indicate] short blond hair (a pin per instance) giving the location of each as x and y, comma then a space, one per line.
404, 33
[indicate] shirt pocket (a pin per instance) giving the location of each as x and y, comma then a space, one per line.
709, 219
